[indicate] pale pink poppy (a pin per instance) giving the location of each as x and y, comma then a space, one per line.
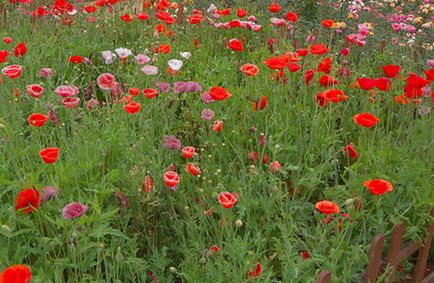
142, 59
123, 53
150, 70
108, 56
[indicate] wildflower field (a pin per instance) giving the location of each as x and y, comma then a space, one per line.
212, 141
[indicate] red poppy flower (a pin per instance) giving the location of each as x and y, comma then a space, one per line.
3, 55
163, 48
262, 103
294, 67
188, 152
325, 65
318, 49
90, 9
148, 184
327, 80
275, 167
366, 83
192, 169
20, 49
292, 17
327, 207
305, 255
429, 74
134, 91
16, 274
219, 93
276, 63
7, 40
28, 200
236, 45
217, 126
391, 70
255, 273
150, 93
378, 187
335, 95
351, 151
12, 71
142, 16
401, 99
383, 84
416, 81
224, 12
49, 155
227, 200
302, 52
250, 70
330, 95
241, 13
160, 28
214, 249
161, 5
308, 76
171, 179
132, 107
321, 100
274, 8
365, 120
37, 119
76, 59
195, 19
126, 18
327, 23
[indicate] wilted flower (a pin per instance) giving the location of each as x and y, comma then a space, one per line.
207, 114
182, 87
48, 193
171, 142
164, 87
74, 210
206, 97
45, 73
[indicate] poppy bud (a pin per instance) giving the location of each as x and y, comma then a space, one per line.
238, 223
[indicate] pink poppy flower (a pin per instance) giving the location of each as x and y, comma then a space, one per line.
66, 91
70, 102
150, 70
74, 210
106, 81
35, 90
46, 73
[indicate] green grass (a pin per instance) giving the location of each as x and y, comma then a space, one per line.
106, 150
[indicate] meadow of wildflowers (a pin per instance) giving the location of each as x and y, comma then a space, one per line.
200, 141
